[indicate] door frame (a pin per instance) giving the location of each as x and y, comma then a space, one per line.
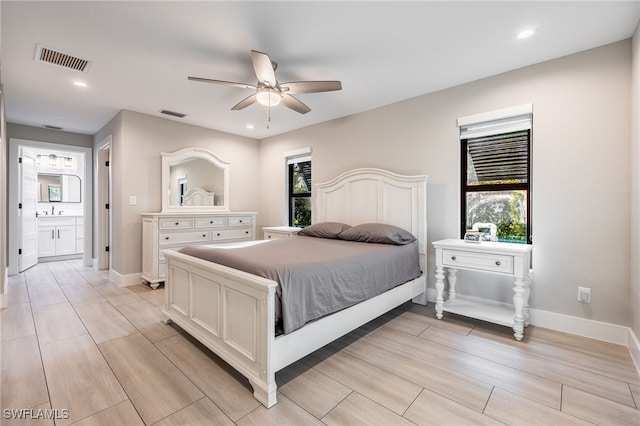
12, 208
103, 196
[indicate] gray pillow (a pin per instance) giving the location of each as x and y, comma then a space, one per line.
324, 230
377, 233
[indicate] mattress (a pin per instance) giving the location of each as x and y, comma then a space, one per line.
319, 276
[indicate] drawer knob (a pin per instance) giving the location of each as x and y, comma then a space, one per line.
211, 222
240, 221
177, 223
269, 237
497, 263
166, 238
453, 258
246, 232
218, 234
204, 235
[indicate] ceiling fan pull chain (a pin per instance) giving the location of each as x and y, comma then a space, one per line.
268, 115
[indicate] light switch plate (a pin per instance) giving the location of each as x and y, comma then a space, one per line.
133, 200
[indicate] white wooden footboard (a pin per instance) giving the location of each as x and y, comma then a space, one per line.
229, 311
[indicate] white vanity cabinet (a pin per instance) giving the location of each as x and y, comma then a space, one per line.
176, 230
57, 236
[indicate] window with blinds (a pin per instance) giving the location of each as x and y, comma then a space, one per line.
496, 175
299, 186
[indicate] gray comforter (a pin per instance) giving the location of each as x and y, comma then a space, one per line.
319, 276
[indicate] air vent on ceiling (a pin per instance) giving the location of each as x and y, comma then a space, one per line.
48, 126
54, 57
173, 113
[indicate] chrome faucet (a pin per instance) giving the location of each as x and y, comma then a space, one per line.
52, 210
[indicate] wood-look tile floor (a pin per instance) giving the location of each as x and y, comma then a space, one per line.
75, 342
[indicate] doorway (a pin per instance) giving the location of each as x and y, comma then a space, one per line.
57, 159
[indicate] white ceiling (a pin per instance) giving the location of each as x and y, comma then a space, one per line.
383, 52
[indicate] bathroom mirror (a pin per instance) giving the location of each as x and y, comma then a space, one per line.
54, 188
194, 180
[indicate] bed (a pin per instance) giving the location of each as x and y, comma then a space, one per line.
233, 312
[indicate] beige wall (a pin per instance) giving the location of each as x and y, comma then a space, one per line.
137, 140
29, 133
581, 171
635, 185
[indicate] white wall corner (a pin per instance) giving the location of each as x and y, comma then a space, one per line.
125, 280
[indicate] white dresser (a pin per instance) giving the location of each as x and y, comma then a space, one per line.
175, 230
496, 258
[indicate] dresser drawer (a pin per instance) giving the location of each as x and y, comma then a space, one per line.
176, 223
165, 238
227, 234
210, 222
477, 261
240, 220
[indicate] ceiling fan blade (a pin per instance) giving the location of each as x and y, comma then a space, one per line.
264, 68
226, 83
294, 87
249, 100
294, 104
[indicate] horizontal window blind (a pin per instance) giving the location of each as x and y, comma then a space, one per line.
498, 159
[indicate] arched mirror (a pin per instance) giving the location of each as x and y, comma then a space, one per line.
194, 180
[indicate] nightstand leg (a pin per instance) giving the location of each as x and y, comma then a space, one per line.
451, 278
527, 293
518, 304
439, 290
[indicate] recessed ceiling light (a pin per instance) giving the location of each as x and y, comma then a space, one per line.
80, 84
249, 126
525, 34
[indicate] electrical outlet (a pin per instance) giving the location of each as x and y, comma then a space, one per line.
584, 294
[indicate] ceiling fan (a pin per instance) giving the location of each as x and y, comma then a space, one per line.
269, 92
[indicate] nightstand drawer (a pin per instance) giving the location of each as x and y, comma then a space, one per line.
477, 261
183, 237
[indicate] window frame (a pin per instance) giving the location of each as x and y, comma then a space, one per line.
494, 123
292, 158
465, 188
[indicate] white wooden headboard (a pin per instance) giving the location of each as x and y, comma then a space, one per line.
375, 195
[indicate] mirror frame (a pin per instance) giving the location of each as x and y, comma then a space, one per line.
172, 158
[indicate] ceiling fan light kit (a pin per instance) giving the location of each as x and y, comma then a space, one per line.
268, 97
269, 92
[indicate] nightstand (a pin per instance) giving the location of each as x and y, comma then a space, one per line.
497, 258
274, 232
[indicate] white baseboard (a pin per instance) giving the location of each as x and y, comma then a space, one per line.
598, 330
583, 327
125, 280
634, 349
5, 289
